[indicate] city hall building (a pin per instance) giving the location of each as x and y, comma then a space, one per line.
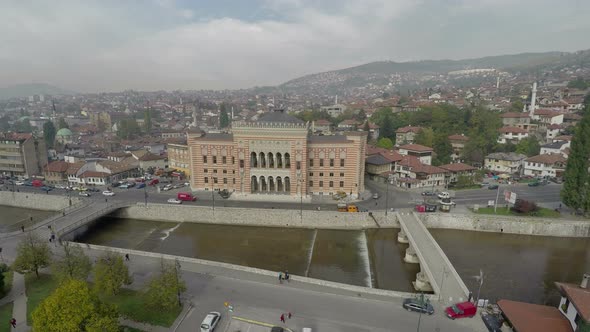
277, 155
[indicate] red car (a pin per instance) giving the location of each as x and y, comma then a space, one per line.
186, 197
154, 182
461, 310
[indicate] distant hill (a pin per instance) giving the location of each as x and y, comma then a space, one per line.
378, 72
24, 90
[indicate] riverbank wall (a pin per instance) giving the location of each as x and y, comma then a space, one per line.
507, 224
247, 273
260, 217
25, 200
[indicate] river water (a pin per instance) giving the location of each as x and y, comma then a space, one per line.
517, 267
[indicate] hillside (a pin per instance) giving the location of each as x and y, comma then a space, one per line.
24, 90
379, 73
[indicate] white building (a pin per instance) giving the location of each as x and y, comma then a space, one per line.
574, 304
334, 110
502, 162
557, 147
545, 165
512, 135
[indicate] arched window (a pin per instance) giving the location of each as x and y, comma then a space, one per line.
253, 160
287, 160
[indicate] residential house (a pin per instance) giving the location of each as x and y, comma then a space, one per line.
348, 125
101, 172
505, 162
555, 147
167, 133
334, 110
512, 119
377, 164
56, 172
575, 303
321, 126
571, 119
406, 135
423, 153
528, 317
553, 130
545, 165
458, 144
411, 173
511, 135
374, 131
459, 169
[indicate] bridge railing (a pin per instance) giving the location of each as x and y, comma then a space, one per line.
93, 215
36, 222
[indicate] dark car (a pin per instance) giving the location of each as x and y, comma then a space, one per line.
493, 323
418, 305
46, 188
493, 186
428, 193
224, 193
534, 184
277, 329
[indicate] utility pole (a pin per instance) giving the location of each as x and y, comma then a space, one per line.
497, 196
387, 194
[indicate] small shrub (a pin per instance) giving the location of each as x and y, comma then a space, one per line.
524, 206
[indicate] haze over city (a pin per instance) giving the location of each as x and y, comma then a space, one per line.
150, 45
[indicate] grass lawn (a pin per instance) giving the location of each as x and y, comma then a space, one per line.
131, 305
124, 328
502, 211
7, 283
5, 316
37, 290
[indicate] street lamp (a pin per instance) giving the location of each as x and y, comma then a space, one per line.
387, 194
301, 199
480, 279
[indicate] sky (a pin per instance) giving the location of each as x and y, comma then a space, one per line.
113, 45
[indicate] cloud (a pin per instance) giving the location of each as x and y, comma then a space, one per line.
166, 44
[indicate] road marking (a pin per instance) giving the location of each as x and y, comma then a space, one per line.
251, 321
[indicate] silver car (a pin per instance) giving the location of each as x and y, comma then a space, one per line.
210, 321
418, 305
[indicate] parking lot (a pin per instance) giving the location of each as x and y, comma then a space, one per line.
238, 324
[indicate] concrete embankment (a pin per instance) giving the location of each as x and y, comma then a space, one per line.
48, 202
250, 273
259, 217
507, 224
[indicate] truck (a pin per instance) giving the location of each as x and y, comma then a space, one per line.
186, 197
343, 207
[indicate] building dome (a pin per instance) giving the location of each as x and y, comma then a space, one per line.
64, 132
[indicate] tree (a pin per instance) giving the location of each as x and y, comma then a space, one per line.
147, 120
33, 253
3, 268
73, 264
163, 291
425, 137
576, 192
464, 181
110, 274
367, 129
516, 106
223, 117
578, 83
4, 123
128, 128
62, 124
49, 133
385, 143
72, 307
528, 146
443, 149
387, 130
361, 116
23, 126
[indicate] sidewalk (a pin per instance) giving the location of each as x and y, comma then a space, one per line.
19, 309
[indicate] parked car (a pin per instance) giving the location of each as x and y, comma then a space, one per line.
84, 193
444, 194
492, 322
224, 193
461, 310
174, 201
428, 193
210, 321
141, 185
167, 187
124, 186
46, 188
418, 305
19, 183
534, 184
493, 187
375, 195
186, 197
277, 329
186, 184
154, 182
60, 186
108, 193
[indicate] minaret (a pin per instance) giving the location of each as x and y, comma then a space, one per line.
533, 100
497, 82
232, 113
336, 100
194, 124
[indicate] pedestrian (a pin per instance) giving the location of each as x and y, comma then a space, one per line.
283, 318
126, 257
13, 322
376, 203
22, 228
50, 238
289, 315
560, 206
287, 275
281, 277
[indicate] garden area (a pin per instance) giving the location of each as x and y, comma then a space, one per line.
521, 208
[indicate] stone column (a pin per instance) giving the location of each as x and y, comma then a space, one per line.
422, 283
411, 256
402, 237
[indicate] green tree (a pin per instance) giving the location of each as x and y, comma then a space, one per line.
128, 128
72, 307
578, 83
387, 130
62, 124
516, 106
464, 181
73, 263
23, 126
147, 120
33, 253
379, 116
367, 129
425, 137
49, 133
4, 123
110, 274
442, 149
163, 291
385, 143
223, 117
576, 188
528, 146
483, 133
361, 116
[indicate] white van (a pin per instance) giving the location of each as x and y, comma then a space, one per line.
444, 195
